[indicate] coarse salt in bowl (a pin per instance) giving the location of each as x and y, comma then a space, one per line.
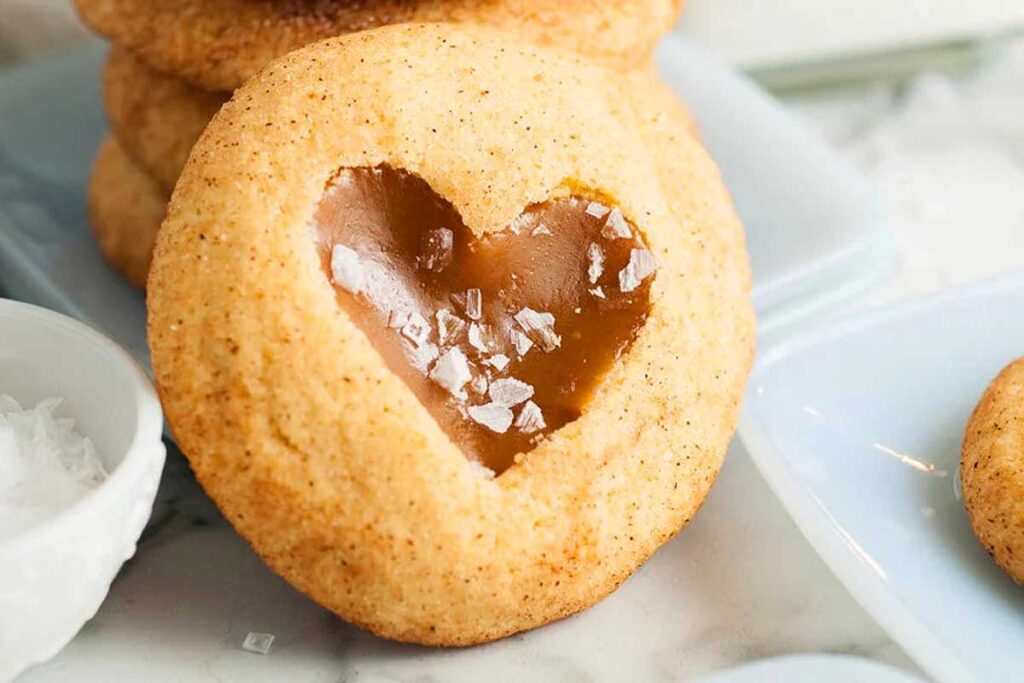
63, 544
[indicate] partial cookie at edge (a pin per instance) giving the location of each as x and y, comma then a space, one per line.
992, 470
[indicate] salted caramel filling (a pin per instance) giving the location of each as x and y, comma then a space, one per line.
502, 337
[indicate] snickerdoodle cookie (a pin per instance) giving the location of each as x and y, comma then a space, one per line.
417, 255
125, 209
992, 470
156, 118
217, 44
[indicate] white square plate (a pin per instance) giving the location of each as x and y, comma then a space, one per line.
857, 427
814, 225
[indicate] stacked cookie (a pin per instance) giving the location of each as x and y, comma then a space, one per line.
175, 62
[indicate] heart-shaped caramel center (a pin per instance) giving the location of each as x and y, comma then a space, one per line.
502, 337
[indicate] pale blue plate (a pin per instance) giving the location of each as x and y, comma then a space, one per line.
858, 427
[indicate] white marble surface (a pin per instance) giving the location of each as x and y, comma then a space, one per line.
948, 154
738, 584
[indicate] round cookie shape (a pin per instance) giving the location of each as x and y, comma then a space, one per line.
320, 454
156, 118
218, 44
125, 210
992, 470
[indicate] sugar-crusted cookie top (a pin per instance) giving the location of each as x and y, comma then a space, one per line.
320, 454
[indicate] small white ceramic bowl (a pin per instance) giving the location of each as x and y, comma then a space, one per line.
55, 575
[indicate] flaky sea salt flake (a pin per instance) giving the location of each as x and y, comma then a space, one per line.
346, 269
398, 319
452, 371
516, 226
479, 385
598, 292
616, 227
521, 342
492, 416
541, 229
436, 250
475, 336
449, 325
595, 262
540, 327
416, 330
509, 392
474, 303
530, 418
597, 210
499, 361
640, 267
258, 643
422, 355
